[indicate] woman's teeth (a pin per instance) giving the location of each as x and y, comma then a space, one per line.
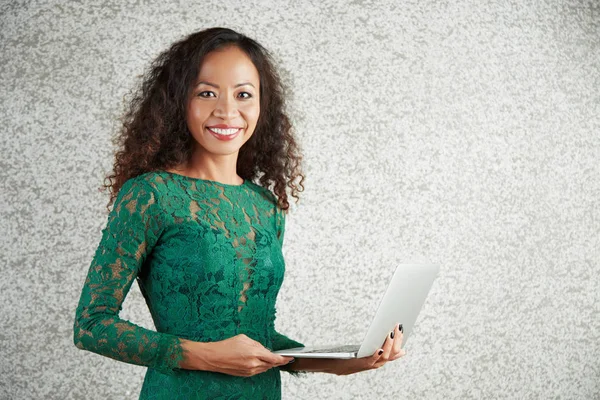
225, 132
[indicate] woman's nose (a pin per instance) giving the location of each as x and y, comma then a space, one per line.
226, 108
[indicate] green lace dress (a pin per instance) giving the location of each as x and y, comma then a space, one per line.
207, 258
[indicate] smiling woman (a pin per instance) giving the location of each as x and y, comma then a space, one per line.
213, 78
195, 224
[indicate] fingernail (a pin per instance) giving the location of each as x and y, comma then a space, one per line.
380, 352
400, 328
392, 334
293, 359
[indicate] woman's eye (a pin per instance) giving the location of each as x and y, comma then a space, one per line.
201, 94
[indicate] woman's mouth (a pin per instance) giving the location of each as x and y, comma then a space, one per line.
224, 134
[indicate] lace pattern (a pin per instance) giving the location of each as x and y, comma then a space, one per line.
207, 258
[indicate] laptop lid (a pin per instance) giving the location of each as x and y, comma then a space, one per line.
401, 303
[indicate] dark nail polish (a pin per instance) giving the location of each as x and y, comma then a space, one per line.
380, 352
392, 334
293, 359
400, 328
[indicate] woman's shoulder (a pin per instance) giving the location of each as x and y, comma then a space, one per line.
137, 194
264, 193
148, 184
269, 201
145, 180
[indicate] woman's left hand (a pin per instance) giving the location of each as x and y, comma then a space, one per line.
389, 352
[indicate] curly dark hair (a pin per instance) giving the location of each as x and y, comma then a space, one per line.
154, 134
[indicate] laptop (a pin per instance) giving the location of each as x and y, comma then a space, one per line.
401, 303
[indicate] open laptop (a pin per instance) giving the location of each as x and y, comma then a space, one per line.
401, 303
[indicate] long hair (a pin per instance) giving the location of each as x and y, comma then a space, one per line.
154, 134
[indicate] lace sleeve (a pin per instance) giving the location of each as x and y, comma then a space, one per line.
134, 226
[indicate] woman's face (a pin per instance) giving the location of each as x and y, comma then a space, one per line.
225, 93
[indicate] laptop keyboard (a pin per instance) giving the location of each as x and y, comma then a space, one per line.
340, 349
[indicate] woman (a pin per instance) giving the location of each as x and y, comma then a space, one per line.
202, 239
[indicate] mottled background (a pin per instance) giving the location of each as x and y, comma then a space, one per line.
466, 132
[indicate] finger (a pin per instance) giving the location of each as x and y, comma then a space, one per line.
288, 360
274, 359
376, 356
259, 369
249, 369
400, 354
387, 346
396, 347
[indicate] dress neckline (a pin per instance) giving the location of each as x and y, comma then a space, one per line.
216, 183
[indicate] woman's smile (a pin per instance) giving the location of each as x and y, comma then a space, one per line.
224, 134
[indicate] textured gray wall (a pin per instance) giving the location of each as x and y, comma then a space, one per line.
467, 132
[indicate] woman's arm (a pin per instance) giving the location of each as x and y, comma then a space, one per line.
390, 351
311, 365
134, 226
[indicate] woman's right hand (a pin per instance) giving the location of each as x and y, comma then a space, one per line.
238, 355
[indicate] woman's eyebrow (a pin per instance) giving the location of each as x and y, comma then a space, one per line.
217, 86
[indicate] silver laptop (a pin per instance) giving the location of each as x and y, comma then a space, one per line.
401, 303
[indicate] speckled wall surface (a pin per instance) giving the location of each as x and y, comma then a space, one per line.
467, 132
